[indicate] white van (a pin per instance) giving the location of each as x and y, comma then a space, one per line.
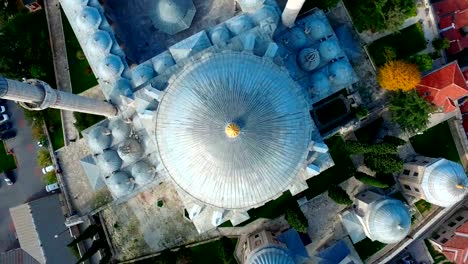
48, 169
52, 187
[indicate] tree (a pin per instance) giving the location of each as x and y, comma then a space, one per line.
297, 220
383, 163
50, 178
339, 195
369, 180
441, 43
423, 61
399, 75
394, 19
410, 111
355, 147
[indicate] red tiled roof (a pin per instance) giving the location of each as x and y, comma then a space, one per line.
442, 86
449, 6
456, 249
465, 74
463, 229
458, 42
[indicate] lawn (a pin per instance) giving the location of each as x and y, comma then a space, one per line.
406, 43
423, 206
82, 77
367, 248
436, 142
54, 125
7, 162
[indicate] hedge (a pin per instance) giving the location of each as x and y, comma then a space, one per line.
297, 220
339, 195
355, 147
383, 163
369, 180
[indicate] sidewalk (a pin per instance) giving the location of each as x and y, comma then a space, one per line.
59, 55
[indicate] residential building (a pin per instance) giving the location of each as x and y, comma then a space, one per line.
452, 16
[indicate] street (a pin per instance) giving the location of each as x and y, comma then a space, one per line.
28, 185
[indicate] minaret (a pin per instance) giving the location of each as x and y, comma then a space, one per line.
290, 12
38, 95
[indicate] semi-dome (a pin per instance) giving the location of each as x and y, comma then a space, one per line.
119, 129
99, 139
143, 173
123, 87
89, 19
239, 24
308, 59
173, 16
100, 43
109, 161
233, 137
141, 74
319, 84
340, 72
271, 254
316, 29
130, 150
329, 49
388, 221
444, 183
162, 62
220, 35
120, 183
295, 39
111, 67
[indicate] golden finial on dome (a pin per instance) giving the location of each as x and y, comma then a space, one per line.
232, 130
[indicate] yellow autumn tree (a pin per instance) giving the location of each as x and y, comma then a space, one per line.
399, 75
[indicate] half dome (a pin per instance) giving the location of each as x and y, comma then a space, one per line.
142, 74
162, 62
220, 35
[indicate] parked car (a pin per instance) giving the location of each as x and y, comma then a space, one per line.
6, 126
47, 169
9, 177
52, 187
7, 134
4, 118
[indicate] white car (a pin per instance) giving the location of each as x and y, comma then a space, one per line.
2, 109
4, 118
52, 187
48, 169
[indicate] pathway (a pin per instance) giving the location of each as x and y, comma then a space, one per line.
59, 55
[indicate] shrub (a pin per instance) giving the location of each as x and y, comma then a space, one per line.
49, 178
423, 61
355, 147
361, 112
369, 180
386, 163
399, 75
396, 141
43, 157
339, 195
297, 220
440, 44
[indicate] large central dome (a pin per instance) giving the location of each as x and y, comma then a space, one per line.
233, 130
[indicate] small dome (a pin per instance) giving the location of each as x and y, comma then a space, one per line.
329, 49
239, 24
444, 183
123, 87
295, 39
99, 139
130, 150
340, 72
89, 19
270, 254
119, 129
388, 221
143, 173
142, 74
309, 59
266, 14
111, 68
316, 29
109, 161
171, 11
120, 183
162, 62
100, 43
220, 36
319, 84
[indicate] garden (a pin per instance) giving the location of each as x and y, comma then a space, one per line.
400, 45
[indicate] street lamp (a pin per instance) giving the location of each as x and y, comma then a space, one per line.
61, 232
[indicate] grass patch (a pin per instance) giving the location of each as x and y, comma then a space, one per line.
54, 125
423, 206
82, 77
436, 142
367, 248
368, 133
407, 42
7, 162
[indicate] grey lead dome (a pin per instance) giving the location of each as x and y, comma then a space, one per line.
233, 130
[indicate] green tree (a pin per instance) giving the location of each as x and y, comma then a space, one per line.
339, 195
410, 111
43, 158
386, 164
424, 61
355, 147
394, 19
297, 220
369, 180
441, 43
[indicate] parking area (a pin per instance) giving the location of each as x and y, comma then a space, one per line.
28, 184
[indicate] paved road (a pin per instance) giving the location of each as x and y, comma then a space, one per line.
28, 177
